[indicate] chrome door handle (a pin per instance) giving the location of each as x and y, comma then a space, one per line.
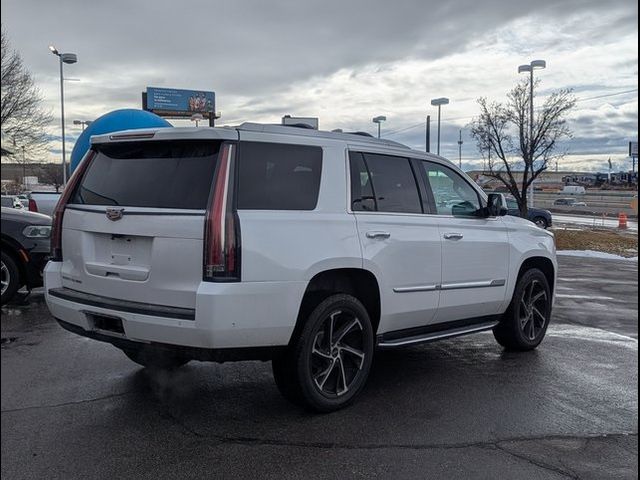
453, 236
375, 234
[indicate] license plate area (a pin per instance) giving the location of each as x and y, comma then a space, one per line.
106, 323
119, 249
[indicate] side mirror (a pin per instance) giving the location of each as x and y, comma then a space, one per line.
497, 205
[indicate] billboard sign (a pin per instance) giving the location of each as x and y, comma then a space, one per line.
633, 149
173, 102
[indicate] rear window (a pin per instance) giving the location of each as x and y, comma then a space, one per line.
274, 176
175, 174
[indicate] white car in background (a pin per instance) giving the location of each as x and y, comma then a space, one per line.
303, 247
43, 202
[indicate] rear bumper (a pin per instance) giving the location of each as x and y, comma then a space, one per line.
193, 353
226, 315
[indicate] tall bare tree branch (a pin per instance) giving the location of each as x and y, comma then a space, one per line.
22, 116
502, 135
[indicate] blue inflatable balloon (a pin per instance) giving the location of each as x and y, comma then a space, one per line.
126, 119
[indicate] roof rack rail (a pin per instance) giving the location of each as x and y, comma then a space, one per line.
312, 132
363, 134
299, 125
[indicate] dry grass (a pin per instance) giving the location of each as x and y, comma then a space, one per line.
601, 240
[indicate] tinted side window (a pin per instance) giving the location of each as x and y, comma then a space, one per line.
273, 176
452, 194
362, 199
394, 184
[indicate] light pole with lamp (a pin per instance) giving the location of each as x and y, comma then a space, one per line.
84, 123
534, 65
439, 102
68, 58
379, 120
460, 142
196, 117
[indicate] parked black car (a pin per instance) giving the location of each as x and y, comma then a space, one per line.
25, 250
540, 217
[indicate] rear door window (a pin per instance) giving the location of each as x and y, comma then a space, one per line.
275, 176
362, 198
393, 183
176, 174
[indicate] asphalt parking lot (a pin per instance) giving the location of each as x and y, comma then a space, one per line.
463, 408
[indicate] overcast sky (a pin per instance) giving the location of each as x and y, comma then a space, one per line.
344, 61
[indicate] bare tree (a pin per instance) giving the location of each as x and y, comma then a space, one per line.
22, 116
502, 135
50, 174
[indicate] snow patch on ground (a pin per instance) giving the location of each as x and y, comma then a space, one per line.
594, 254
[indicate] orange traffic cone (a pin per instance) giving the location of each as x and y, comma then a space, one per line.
622, 221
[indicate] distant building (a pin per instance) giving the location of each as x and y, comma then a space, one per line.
553, 180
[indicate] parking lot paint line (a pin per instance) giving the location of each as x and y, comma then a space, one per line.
582, 297
592, 334
593, 280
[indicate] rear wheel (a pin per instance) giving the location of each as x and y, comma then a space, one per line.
10, 278
328, 364
541, 222
524, 324
155, 358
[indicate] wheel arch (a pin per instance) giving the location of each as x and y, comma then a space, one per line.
12, 248
358, 282
543, 264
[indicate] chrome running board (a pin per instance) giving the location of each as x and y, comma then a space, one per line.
437, 335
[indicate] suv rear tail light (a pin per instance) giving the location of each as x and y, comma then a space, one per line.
58, 212
222, 228
33, 206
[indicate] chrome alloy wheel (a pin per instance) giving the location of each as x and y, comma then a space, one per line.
533, 310
5, 277
337, 354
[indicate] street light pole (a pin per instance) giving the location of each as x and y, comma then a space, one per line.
530, 68
427, 135
63, 58
439, 102
64, 152
84, 123
24, 169
460, 150
379, 119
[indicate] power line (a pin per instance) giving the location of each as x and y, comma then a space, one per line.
411, 127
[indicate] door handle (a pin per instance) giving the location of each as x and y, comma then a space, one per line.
453, 236
376, 234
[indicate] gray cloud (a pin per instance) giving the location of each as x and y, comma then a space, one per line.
265, 59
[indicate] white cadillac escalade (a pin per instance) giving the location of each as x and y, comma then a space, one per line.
307, 248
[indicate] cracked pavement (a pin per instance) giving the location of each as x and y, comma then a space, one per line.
462, 408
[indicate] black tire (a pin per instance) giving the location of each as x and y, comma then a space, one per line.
524, 324
325, 369
10, 275
155, 358
541, 222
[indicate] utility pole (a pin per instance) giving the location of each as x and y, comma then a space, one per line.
24, 174
428, 135
460, 151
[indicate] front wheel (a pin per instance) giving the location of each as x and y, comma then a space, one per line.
10, 277
524, 324
328, 363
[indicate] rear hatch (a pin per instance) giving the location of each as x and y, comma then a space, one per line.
133, 229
